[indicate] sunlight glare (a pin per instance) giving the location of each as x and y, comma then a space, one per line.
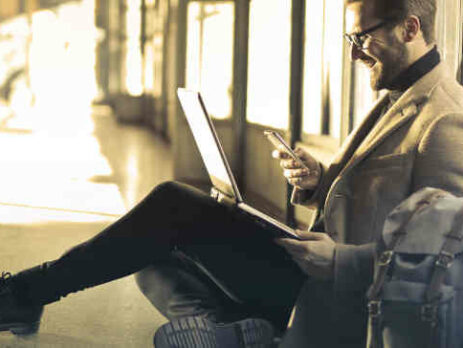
52, 154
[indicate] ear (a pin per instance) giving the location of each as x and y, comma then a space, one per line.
411, 28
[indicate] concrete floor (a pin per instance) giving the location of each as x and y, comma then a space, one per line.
61, 182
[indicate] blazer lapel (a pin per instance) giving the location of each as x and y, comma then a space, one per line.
355, 139
398, 115
389, 123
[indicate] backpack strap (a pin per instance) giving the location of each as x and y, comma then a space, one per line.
383, 264
443, 262
384, 261
386, 256
373, 294
445, 258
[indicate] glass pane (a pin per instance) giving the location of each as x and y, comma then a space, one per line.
133, 78
158, 63
149, 67
322, 89
116, 48
269, 63
364, 96
449, 31
313, 68
193, 66
334, 15
62, 62
149, 60
210, 54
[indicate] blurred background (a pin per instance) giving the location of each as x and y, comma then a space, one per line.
90, 123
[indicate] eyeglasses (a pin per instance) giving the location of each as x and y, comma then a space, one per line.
358, 39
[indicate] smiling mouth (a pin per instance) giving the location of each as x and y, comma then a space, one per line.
369, 62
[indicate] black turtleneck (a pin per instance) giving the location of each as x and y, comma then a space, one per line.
409, 76
416, 71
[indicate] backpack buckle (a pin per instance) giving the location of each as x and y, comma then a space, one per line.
444, 260
374, 308
429, 313
385, 258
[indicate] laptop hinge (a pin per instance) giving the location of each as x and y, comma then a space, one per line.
222, 197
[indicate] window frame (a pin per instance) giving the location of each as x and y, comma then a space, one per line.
325, 141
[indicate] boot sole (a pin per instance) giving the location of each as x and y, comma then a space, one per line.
196, 332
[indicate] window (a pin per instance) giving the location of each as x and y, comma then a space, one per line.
116, 34
62, 58
449, 31
364, 96
210, 54
313, 64
155, 13
323, 68
133, 61
269, 63
157, 58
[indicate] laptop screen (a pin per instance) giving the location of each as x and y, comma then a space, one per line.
208, 143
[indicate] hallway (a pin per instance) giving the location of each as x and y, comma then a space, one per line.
61, 181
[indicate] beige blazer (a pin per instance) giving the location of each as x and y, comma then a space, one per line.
417, 143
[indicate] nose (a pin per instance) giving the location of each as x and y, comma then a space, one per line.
355, 52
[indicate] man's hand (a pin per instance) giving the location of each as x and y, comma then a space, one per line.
295, 174
314, 254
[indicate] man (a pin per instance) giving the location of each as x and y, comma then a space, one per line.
411, 139
204, 260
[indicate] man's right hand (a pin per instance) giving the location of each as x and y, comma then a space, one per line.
295, 174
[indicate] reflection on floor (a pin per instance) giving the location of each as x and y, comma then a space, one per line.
60, 186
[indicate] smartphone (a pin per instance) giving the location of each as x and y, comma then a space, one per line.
280, 144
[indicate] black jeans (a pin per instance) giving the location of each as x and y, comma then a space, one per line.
195, 257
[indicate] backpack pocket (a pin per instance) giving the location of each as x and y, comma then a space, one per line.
405, 321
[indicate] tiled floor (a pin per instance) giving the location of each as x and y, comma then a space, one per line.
62, 181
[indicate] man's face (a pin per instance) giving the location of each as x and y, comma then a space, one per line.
383, 53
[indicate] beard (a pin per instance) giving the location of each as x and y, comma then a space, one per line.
391, 61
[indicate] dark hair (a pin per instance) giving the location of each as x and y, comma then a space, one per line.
396, 11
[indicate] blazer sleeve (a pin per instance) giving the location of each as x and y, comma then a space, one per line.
439, 160
353, 268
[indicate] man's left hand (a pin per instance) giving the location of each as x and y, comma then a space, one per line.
314, 253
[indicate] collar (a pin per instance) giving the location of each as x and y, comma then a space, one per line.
416, 71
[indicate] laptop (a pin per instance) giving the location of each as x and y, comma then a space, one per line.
224, 187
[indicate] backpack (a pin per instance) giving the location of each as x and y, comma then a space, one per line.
416, 298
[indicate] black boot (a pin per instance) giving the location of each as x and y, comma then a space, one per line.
15, 316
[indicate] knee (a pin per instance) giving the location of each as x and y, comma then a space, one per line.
167, 188
165, 192
176, 193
